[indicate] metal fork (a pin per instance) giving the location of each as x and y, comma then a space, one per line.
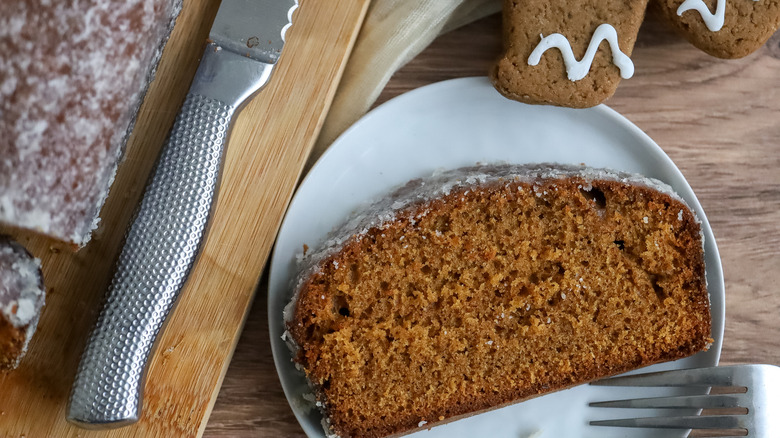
761, 398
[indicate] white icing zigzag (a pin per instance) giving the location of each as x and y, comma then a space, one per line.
577, 70
714, 22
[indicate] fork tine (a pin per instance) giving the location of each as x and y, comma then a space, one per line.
686, 401
689, 422
713, 376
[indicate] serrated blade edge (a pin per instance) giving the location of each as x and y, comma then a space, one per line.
253, 28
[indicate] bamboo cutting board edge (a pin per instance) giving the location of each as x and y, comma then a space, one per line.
264, 160
363, 7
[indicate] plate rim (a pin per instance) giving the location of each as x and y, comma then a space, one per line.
602, 110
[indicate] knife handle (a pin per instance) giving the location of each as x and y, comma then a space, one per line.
162, 243
160, 248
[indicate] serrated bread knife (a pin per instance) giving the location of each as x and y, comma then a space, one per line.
168, 229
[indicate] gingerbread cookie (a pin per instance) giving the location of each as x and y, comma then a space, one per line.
724, 28
566, 52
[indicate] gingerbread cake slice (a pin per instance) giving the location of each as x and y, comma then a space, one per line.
723, 28
21, 299
488, 285
566, 53
72, 76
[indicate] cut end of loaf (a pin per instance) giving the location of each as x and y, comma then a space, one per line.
498, 290
22, 296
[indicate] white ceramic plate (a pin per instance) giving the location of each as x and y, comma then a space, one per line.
453, 124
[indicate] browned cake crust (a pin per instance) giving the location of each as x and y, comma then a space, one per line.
747, 25
547, 82
12, 343
497, 290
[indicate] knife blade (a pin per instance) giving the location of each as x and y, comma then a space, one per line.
165, 236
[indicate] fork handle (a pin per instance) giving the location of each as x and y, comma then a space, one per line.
162, 243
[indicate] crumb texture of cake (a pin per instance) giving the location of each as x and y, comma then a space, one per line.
592, 38
723, 28
22, 296
72, 76
484, 286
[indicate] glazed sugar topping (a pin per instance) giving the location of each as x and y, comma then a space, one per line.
21, 286
71, 77
577, 70
713, 21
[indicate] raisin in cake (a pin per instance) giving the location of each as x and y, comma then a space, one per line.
72, 76
21, 298
488, 285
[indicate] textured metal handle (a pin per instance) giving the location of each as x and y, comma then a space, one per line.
162, 242
160, 248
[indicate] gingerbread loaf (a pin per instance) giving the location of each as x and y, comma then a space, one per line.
22, 296
566, 53
72, 76
488, 285
723, 28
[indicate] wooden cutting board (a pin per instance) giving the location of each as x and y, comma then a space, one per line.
270, 142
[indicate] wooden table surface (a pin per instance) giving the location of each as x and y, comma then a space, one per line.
718, 120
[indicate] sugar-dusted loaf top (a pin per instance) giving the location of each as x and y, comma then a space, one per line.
72, 75
21, 288
488, 285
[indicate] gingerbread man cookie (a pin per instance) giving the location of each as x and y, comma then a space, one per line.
567, 52
724, 28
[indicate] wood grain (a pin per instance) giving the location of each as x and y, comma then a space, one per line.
718, 120
269, 145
